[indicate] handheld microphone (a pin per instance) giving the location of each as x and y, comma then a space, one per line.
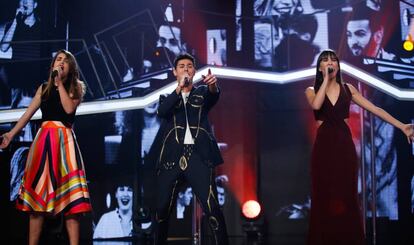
186, 82
19, 16
55, 73
330, 70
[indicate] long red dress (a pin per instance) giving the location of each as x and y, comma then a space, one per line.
335, 216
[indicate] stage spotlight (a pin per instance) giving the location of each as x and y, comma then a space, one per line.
408, 43
253, 222
251, 209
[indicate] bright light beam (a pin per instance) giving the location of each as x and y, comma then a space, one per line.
226, 73
360, 75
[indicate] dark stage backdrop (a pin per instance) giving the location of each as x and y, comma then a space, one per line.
265, 131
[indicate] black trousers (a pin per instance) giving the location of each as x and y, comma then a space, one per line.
201, 179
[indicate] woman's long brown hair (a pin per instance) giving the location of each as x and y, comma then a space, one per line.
74, 87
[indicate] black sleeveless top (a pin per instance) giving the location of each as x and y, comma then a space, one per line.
52, 109
340, 109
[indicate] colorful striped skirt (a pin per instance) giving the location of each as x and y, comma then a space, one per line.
54, 179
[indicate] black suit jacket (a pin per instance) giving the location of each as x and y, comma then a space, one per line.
172, 130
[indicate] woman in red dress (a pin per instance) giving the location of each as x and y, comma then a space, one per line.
335, 216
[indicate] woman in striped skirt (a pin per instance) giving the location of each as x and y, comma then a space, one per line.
54, 180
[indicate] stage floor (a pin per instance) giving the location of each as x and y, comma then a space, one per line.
270, 240
180, 241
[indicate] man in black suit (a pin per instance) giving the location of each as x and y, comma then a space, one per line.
188, 150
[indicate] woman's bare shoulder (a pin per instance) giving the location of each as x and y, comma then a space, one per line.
81, 87
310, 89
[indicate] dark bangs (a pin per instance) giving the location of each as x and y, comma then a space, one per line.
328, 53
